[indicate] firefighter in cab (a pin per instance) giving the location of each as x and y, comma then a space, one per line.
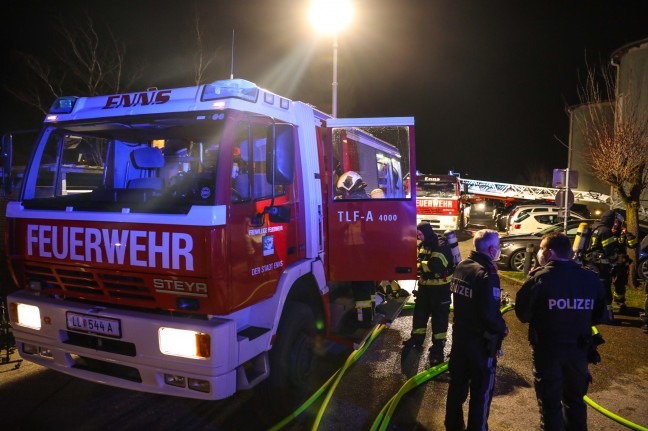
351, 186
602, 254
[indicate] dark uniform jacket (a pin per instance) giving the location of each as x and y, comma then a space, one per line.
604, 246
476, 298
561, 301
436, 264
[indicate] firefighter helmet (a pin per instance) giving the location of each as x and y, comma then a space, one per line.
350, 181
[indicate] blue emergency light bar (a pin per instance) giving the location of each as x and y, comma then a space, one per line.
238, 88
63, 105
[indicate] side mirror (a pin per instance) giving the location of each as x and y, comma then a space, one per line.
280, 154
278, 214
6, 155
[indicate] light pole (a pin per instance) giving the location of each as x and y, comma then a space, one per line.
329, 17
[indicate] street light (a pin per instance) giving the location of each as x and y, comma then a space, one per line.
329, 17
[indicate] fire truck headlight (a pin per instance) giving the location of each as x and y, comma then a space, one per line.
184, 343
26, 315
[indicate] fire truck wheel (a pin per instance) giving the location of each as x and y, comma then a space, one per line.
292, 355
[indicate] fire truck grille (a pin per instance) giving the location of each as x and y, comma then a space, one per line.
106, 368
90, 283
100, 343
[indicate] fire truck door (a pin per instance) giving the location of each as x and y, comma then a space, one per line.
371, 227
258, 248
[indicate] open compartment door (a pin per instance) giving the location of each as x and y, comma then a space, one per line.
371, 208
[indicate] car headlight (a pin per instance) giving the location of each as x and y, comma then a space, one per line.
184, 343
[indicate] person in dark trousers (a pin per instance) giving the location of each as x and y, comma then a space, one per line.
621, 271
561, 301
477, 333
435, 268
602, 254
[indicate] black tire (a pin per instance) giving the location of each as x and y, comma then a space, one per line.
292, 359
516, 261
642, 269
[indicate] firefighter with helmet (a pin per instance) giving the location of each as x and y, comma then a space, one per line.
602, 254
435, 268
621, 270
351, 186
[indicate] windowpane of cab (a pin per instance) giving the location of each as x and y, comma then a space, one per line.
157, 164
80, 170
369, 162
249, 179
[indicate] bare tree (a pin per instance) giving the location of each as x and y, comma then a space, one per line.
202, 60
87, 64
616, 132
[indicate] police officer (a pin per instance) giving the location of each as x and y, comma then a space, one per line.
436, 265
602, 254
561, 301
476, 334
621, 271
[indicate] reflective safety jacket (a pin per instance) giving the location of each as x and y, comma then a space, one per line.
604, 246
435, 266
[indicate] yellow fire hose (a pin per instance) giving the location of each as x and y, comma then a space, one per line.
384, 417
332, 382
614, 417
381, 422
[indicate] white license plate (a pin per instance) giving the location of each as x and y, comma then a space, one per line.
93, 324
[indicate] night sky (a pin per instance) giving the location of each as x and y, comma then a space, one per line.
488, 82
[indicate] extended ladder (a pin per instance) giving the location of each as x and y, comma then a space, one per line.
517, 191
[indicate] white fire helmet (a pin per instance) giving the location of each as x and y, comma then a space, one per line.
350, 181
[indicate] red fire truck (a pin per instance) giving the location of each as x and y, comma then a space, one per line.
439, 202
190, 242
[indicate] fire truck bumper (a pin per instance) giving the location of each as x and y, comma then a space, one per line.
125, 348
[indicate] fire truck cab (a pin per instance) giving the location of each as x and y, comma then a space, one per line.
190, 242
439, 202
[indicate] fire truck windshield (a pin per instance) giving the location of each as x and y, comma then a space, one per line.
152, 164
440, 189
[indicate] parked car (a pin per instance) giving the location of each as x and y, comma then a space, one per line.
513, 247
533, 221
642, 266
504, 213
520, 210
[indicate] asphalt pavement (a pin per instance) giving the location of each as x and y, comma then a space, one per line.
35, 398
